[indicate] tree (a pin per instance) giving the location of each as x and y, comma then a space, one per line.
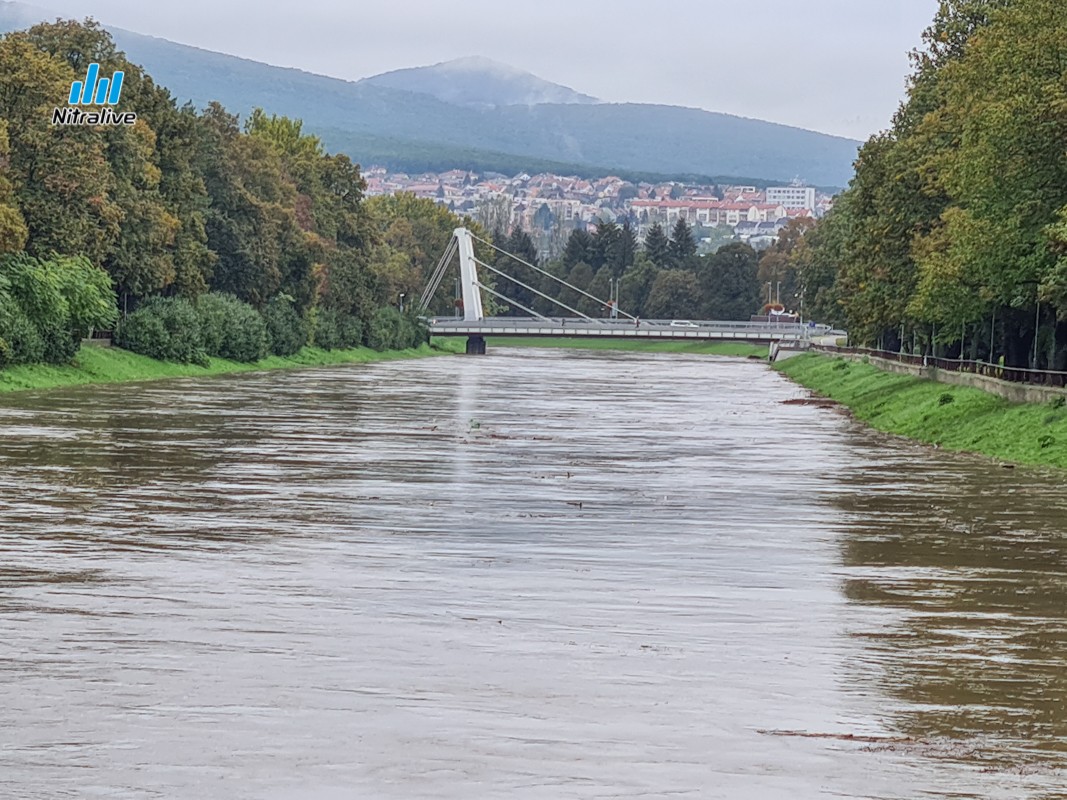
728, 279
635, 285
657, 246
13, 231
581, 276
777, 264
520, 245
580, 248
682, 247
675, 294
60, 173
627, 248
606, 247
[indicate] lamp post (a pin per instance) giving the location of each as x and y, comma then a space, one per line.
402, 296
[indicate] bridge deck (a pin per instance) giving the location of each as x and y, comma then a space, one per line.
646, 329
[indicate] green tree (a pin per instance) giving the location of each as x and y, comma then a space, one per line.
682, 247
60, 173
729, 284
13, 231
657, 246
580, 248
674, 294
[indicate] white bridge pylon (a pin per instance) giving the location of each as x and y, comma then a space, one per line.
468, 276
462, 242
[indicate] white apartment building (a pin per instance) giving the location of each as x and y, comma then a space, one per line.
792, 196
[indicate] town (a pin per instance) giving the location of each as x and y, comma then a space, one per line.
550, 206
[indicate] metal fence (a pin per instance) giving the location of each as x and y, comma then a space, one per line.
1037, 377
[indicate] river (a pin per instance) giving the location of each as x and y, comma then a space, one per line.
534, 574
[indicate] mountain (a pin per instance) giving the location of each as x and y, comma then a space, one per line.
478, 82
376, 123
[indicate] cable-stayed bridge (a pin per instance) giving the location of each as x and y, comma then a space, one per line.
571, 323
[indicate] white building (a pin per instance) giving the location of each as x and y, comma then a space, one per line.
792, 196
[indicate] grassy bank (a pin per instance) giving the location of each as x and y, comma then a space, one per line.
953, 417
694, 348
112, 365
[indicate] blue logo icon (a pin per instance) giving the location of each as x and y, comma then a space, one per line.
96, 90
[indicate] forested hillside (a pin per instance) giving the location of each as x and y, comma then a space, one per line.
411, 128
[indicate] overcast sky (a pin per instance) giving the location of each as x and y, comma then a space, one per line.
837, 66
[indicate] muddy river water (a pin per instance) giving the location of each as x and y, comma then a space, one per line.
534, 574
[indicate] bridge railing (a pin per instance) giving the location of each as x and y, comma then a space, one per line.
1039, 377
679, 325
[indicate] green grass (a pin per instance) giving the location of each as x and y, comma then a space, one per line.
694, 348
953, 417
113, 365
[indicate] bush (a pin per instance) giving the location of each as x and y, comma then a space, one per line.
1057, 402
60, 342
1046, 441
21, 341
165, 328
335, 330
391, 330
945, 398
230, 328
384, 330
287, 331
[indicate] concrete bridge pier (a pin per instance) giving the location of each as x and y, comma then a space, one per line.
476, 345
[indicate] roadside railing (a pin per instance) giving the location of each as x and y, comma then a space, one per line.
1038, 377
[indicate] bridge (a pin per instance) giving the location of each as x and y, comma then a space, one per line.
477, 327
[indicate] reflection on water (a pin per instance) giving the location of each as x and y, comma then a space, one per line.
534, 574
971, 561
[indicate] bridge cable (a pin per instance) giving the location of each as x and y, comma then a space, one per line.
438, 275
481, 285
550, 275
535, 291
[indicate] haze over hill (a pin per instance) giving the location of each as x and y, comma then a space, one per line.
478, 82
492, 114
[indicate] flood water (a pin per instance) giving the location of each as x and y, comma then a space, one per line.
534, 574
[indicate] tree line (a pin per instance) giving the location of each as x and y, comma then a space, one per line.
196, 234
951, 239
188, 222
661, 278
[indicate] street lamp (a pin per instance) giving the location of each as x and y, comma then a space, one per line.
402, 296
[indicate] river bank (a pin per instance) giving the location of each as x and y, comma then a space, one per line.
739, 349
114, 365
953, 417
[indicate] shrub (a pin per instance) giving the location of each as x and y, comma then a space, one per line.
1057, 402
391, 330
165, 328
324, 333
1046, 441
287, 331
386, 329
62, 298
60, 342
230, 328
350, 330
22, 342
945, 398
